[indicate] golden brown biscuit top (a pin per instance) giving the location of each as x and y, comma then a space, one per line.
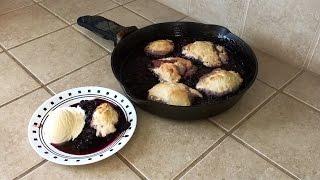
176, 94
160, 47
219, 82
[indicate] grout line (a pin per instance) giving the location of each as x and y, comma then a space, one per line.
139, 14
181, 18
53, 13
131, 166
235, 127
30, 169
18, 8
38, 37
123, 3
247, 4
202, 156
290, 80
21, 96
301, 101
312, 48
24, 68
79, 68
263, 156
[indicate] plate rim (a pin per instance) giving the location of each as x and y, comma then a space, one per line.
99, 154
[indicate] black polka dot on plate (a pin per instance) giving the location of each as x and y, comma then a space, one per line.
78, 160
98, 91
129, 128
35, 139
66, 160
89, 90
60, 97
55, 157
79, 92
119, 143
101, 155
44, 109
130, 113
52, 102
111, 149
126, 136
39, 116
107, 93
122, 100
39, 146
34, 131
127, 106
115, 96
131, 120
35, 124
46, 152
90, 159
69, 94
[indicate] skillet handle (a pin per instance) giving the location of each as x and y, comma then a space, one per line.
106, 28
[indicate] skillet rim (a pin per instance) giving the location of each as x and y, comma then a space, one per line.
214, 26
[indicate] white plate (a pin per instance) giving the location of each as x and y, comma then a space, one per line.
67, 98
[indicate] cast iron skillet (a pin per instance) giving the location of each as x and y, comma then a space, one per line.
128, 61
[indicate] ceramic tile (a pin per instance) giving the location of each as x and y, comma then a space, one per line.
98, 73
29, 23
254, 97
306, 88
230, 160
228, 13
122, 1
11, 72
284, 29
7, 5
314, 65
161, 148
16, 154
111, 168
120, 15
273, 71
148, 8
189, 19
179, 5
287, 132
70, 10
57, 54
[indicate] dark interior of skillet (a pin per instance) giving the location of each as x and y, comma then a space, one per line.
130, 63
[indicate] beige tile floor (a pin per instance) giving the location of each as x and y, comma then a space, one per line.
272, 133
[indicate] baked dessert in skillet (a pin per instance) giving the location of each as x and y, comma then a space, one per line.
176, 94
159, 47
209, 54
219, 82
172, 69
85, 127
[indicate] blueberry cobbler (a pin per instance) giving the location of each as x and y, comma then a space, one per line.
85, 127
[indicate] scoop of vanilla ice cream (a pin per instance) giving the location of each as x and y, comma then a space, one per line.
104, 120
64, 124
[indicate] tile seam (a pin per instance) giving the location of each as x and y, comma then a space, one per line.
200, 157
247, 4
263, 156
74, 70
28, 171
312, 47
301, 101
131, 166
145, 18
12, 10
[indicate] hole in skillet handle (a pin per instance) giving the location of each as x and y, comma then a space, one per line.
105, 28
